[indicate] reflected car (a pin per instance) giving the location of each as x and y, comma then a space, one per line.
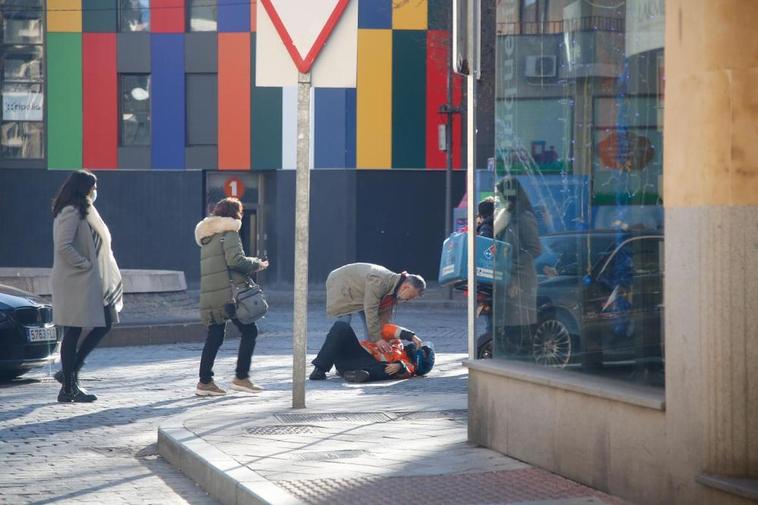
28, 337
599, 300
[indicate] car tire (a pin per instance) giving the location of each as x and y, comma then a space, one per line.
554, 343
485, 350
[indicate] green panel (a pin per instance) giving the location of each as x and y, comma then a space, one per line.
409, 99
64, 100
99, 16
267, 128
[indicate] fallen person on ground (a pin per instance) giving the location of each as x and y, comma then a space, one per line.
363, 361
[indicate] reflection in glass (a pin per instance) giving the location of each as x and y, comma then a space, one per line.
202, 16
21, 21
22, 63
134, 15
21, 140
135, 110
578, 122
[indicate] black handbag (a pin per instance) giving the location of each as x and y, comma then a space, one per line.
249, 302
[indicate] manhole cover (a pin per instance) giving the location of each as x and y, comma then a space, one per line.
433, 414
350, 417
284, 429
331, 455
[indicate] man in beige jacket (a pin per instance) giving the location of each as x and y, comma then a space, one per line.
372, 291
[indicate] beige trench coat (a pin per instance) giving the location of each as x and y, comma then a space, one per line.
360, 287
76, 281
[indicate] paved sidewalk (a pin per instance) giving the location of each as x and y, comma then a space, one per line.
367, 443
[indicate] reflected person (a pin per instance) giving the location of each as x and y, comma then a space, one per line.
518, 227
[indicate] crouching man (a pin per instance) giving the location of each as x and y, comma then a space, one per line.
363, 361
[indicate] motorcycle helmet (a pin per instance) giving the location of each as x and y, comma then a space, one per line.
424, 359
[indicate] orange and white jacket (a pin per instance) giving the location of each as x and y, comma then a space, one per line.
394, 335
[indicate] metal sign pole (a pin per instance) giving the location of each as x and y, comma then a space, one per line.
302, 211
472, 25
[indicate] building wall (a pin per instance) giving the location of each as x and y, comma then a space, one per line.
388, 120
394, 218
151, 216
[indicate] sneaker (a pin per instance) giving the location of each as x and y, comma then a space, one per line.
210, 389
245, 385
356, 375
318, 374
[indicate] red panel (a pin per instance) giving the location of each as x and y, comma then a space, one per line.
100, 100
234, 101
458, 81
167, 16
436, 95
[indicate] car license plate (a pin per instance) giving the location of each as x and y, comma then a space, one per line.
41, 334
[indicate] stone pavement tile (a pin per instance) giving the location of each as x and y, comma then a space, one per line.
486, 488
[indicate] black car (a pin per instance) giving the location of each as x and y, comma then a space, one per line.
28, 337
599, 300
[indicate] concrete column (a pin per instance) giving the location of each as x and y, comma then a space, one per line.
711, 199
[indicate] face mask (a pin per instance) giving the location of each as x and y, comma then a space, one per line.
93, 196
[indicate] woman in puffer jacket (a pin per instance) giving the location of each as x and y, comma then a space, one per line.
222, 264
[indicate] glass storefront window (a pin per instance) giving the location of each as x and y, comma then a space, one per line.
22, 63
134, 15
578, 196
21, 21
202, 16
22, 78
21, 140
135, 109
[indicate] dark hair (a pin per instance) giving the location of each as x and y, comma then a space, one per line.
74, 192
228, 207
486, 207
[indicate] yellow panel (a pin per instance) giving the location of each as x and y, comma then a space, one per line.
409, 14
374, 99
64, 15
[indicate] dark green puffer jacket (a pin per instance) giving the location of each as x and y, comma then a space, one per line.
221, 247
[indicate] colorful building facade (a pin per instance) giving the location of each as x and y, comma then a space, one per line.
171, 84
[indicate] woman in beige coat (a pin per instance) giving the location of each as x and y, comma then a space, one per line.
86, 282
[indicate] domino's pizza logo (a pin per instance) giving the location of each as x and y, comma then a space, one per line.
489, 253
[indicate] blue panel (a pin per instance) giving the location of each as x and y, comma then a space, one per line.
350, 128
167, 100
233, 16
330, 149
375, 14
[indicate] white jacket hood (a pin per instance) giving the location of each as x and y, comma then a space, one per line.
215, 224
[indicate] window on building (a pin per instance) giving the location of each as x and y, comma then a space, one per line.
22, 79
135, 109
134, 15
202, 16
579, 164
202, 109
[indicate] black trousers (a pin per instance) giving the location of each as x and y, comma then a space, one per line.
214, 340
342, 350
73, 359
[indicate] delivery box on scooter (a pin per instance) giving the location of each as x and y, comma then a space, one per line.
492, 260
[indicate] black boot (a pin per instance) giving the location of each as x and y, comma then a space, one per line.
70, 392
356, 376
318, 374
59, 377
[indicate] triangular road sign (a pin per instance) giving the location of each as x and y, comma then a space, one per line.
303, 64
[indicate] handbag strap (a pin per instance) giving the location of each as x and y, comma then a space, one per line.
250, 282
